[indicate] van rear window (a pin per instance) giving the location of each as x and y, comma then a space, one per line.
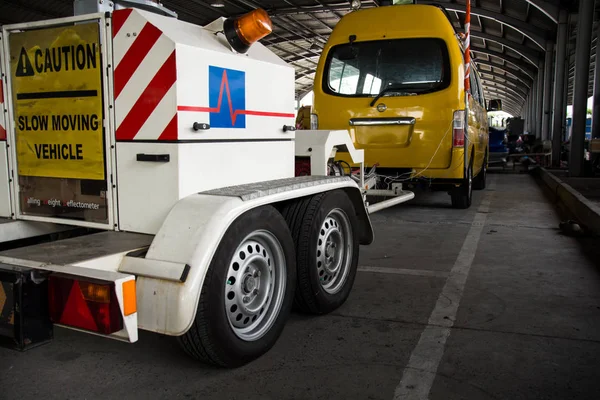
403, 67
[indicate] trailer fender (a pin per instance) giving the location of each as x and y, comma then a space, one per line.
182, 250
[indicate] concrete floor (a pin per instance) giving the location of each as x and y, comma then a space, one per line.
513, 312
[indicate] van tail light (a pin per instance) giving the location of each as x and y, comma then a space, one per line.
87, 305
314, 122
458, 129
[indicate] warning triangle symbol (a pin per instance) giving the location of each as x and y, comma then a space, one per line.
24, 67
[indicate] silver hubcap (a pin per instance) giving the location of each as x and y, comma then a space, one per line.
334, 251
255, 285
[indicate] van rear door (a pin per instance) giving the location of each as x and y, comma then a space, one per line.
396, 96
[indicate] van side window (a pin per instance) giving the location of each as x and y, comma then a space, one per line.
480, 86
474, 86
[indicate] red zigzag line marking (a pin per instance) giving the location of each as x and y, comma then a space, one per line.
233, 114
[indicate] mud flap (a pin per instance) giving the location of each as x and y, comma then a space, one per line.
24, 317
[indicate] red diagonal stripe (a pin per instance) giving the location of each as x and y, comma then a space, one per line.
152, 95
135, 55
2, 133
119, 17
170, 132
1, 92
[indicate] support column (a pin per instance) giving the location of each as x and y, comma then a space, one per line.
582, 66
547, 106
534, 106
560, 88
539, 111
596, 101
526, 113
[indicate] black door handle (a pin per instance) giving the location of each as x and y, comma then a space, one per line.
153, 157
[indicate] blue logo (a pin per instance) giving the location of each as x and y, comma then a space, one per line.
227, 97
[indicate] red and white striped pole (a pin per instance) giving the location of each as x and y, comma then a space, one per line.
468, 47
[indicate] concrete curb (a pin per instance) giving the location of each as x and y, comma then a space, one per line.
583, 210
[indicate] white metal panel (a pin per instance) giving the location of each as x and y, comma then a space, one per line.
15, 230
206, 166
5, 203
204, 219
154, 268
189, 34
266, 89
147, 190
319, 145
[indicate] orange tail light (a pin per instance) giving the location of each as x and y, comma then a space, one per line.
246, 30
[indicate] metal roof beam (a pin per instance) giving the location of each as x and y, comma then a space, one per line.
508, 105
517, 74
527, 53
514, 83
548, 9
499, 91
492, 84
305, 74
491, 93
538, 36
507, 82
520, 64
531, 55
329, 7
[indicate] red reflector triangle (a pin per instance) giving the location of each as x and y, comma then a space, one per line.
76, 311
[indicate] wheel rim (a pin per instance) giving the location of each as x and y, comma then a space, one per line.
334, 251
255, 285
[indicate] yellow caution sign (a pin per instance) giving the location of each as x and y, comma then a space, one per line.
57, 93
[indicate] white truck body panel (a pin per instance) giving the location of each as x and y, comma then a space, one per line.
5, 198
143, 208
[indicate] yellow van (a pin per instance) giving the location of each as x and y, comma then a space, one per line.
393, 76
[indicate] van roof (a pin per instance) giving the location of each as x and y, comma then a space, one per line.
401, 21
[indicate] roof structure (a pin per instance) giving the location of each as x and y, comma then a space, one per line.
508, 37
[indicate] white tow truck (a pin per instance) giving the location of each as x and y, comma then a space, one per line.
149, 180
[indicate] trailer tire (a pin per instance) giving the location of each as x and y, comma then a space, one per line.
318, 223
230, 328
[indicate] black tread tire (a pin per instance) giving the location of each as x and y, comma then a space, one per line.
479, 182
305, 217
210, 338
461, 196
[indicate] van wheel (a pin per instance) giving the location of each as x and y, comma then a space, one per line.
324, 228
462, 196
248, 292
480, 180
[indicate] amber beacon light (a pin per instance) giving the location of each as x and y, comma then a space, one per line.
246, 30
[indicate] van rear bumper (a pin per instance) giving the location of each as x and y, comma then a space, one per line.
453, 174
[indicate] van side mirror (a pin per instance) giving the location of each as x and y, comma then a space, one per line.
495, 105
